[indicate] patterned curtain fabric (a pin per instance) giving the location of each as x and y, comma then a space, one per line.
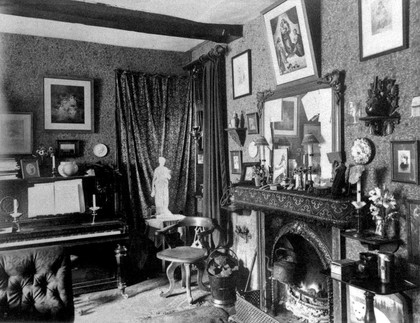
154, 118
214, 134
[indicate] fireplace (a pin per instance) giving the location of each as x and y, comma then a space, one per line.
294, 229
298, 255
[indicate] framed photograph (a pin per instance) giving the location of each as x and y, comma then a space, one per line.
413, 232
289, 41
246, 175
30, 168
382, 27
68, 104
16, 133
405, 161
280, 164
68, 148
241, 75
252, 123
236, 161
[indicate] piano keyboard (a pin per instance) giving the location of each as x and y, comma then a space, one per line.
66, 238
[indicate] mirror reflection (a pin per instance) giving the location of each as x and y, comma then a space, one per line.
302, 130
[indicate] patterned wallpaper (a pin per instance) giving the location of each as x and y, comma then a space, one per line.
340, 50
25, 60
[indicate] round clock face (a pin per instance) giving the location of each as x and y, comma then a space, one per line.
100, 150
362, 151
252, 150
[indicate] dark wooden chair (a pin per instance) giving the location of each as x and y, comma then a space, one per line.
187, 252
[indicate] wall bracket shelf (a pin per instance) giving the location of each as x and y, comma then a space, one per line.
238, 135
381, 125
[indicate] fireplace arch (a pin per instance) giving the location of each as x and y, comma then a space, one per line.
302, 237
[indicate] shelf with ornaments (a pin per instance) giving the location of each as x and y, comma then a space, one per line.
236, 129
381, 107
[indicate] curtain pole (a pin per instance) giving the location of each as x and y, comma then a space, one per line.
217, 50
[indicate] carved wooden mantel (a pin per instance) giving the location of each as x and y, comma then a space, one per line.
323, 210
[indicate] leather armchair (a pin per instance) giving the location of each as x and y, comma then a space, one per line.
36, 285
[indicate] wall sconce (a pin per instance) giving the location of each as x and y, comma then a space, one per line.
196, 134
309, 139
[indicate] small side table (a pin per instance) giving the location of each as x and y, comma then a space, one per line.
374, 287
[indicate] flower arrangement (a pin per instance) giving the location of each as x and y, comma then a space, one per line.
258, 171
43, 152
380, 209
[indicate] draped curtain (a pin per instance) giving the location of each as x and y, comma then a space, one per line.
154, 117
211, 79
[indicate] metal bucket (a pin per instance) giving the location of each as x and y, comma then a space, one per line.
223, 289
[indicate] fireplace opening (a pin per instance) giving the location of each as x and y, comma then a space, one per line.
297, 286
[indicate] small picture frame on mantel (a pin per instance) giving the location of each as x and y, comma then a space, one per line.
68, 148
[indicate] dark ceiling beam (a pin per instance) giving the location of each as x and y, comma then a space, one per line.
102, 15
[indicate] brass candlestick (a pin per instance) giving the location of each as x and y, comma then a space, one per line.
358, 206
15, 215
94, 209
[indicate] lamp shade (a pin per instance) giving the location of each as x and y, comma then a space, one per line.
260, 141
309, 139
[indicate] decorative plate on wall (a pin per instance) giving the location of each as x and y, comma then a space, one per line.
362, 151
100, 150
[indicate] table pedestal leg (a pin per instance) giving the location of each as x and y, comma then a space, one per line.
120, 256
370, 313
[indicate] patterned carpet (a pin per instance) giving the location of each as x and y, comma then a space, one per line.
145, 305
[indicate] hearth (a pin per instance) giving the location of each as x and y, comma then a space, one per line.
298, 256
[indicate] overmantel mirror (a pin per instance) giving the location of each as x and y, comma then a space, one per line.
303, 126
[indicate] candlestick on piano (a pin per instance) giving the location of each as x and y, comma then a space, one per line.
94, 200
15, 206
359, 190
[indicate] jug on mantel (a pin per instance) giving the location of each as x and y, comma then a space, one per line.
67, 168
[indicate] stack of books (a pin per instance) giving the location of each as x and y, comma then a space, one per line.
9, 168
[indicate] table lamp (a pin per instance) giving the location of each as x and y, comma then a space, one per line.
260, 141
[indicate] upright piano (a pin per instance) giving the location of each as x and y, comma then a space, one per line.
96, 245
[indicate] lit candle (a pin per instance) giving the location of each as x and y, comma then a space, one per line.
15, 206
53, 161
359, 190
94, 200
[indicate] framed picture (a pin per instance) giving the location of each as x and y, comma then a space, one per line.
252, 123
68, 148
68, 104
241, 74
246, 175
236, 161
281, 118
280, 164
413, 232
16, 133
30, 168
405, 161
289, 41
382, 27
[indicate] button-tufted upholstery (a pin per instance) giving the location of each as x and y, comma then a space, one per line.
35, 285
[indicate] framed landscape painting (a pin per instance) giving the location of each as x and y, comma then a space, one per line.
289, 41
68, 104
382, 27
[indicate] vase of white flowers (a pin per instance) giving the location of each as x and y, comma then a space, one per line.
381, 209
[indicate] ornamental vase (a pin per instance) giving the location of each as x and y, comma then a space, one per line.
257, 181
380, 226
